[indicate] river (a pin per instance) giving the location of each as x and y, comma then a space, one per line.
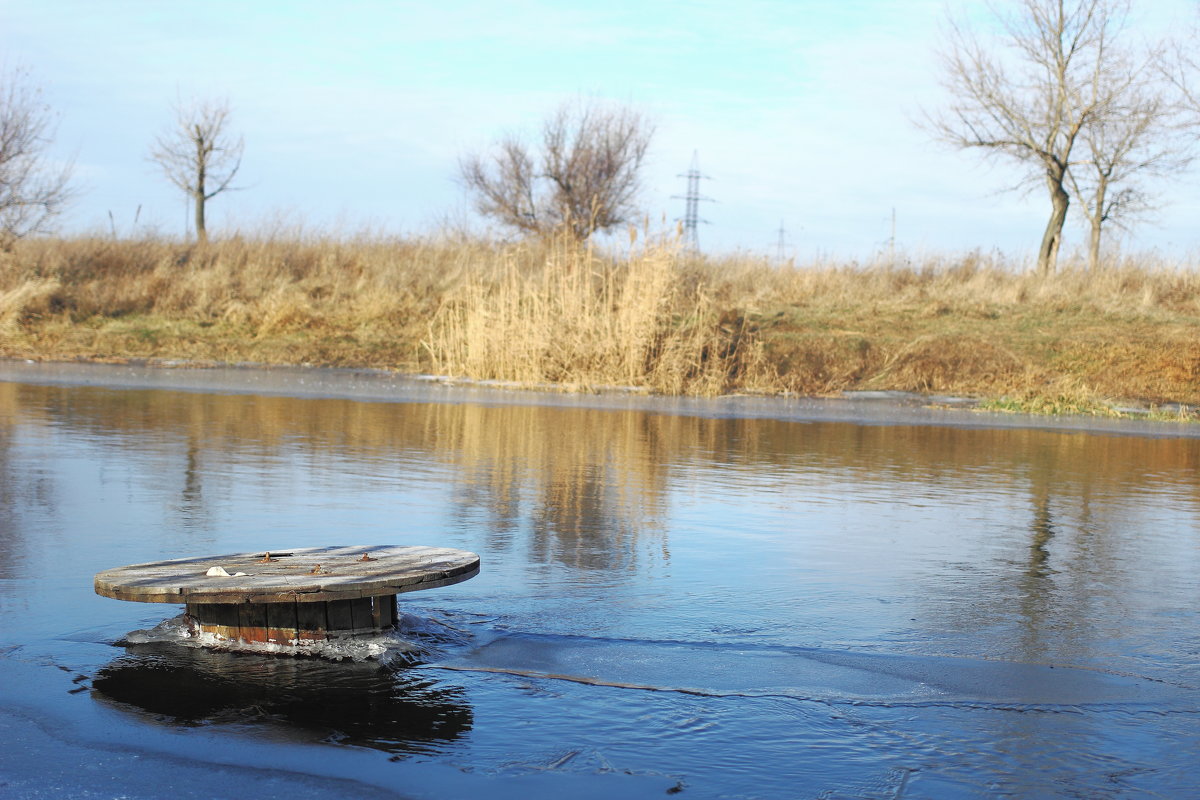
737, 598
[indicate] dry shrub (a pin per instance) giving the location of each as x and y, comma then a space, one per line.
285, 310
569, 316
25, 303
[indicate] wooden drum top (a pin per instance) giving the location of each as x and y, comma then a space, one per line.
309, 574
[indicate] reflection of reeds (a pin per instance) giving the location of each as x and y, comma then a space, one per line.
587, 478
655, 318
554, 457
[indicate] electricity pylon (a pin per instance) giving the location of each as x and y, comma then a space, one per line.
691, 215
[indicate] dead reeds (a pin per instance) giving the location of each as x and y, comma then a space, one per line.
577, 319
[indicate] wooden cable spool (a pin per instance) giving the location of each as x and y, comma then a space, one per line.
291, 597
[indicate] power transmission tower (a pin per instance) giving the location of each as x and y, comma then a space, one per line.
693, 198
781, 244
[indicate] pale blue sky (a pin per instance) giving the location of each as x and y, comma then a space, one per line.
355, 114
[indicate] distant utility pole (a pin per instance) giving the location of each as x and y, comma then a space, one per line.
892, 240
693, 198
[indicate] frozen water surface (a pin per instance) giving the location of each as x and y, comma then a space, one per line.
739, 598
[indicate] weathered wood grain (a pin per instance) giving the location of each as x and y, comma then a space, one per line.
294, 623
312, 621
281, 623
305, 575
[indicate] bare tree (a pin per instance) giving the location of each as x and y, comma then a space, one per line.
199, 155
1136, 138
33, 190
584, 179
1032, 103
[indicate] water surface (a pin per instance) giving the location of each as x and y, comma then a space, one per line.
715, 606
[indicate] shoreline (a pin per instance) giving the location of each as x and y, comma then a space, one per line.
376, 385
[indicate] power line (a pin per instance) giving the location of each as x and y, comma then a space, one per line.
693, 198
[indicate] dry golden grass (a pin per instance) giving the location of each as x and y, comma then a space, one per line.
580, 320
654, 318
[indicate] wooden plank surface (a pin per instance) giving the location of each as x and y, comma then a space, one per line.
296, 575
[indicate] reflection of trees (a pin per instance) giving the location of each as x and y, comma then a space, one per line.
11, 545
581, 488
1043, 532
572, 524
191, 498
1071, 555
20, 488
362, 704
1036, 590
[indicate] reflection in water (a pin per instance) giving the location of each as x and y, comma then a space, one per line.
361, 704
11, 546
1037, 586
1043, 532
621, 547
34, 488
587, 485
590, 490
580, 474
191, 501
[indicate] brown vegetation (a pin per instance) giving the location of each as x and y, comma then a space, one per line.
656, 319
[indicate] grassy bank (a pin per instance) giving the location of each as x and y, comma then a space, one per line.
655, 320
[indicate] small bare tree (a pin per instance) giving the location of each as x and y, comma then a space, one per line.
199, 155
1136, 138
584, 179
32, 190
1032, 103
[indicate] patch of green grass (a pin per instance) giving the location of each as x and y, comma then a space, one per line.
1181, 414
1053, 405
1066, 404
